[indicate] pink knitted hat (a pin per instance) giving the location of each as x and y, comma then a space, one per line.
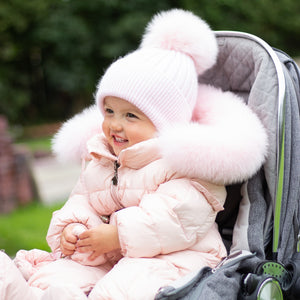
160, 78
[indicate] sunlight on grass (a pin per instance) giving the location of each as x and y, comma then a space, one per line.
26, 228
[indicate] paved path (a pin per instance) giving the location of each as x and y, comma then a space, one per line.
55, 181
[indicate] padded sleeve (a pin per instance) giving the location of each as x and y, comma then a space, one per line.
76, 210
171, 219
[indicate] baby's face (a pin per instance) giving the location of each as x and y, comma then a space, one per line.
124, 124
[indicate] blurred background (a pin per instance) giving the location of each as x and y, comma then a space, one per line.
52, 53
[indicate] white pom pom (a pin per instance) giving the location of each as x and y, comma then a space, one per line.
185, 32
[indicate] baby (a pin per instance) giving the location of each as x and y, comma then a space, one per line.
143, 211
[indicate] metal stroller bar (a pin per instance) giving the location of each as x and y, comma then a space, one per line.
275, 209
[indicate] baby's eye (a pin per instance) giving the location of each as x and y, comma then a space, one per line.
131, 115
108, 110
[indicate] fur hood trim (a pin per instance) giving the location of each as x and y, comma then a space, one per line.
69, 143
226, 142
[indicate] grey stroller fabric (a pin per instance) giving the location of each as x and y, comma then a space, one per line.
246, 67
290, 209
268, 81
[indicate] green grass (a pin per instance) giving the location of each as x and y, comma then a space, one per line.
26, 228
37, 144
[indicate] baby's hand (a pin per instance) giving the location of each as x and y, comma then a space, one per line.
99, 240
68, 240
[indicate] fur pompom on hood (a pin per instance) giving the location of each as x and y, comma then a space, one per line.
225, 143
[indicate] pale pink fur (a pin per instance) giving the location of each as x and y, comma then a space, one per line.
226, 143
69, 143
185, 32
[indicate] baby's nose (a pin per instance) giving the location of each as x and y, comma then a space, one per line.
116, 125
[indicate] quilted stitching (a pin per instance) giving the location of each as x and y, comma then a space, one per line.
245, 68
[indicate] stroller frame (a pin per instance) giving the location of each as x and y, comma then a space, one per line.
276, 207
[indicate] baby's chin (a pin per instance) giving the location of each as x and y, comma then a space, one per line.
118, 147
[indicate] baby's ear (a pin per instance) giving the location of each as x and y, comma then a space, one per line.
69, 143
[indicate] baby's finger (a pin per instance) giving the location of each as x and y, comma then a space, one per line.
84, 235
69, 246
84, 249
71, 238
66, 245
67, 252
83, 243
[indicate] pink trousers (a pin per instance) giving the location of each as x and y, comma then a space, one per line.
131, 278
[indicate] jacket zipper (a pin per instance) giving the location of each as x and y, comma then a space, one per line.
113, 187
115, 178
113, 192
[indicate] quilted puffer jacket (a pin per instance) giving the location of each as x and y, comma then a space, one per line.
157, 210
164, 193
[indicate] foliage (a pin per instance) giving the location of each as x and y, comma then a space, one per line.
36, 144
26, 228
277, 22
53, 51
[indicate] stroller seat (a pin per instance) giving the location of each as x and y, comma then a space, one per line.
250, 68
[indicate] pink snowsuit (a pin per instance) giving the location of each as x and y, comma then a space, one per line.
165, 220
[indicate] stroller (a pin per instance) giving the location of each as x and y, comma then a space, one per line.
261, 227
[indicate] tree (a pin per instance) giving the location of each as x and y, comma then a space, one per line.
53, 52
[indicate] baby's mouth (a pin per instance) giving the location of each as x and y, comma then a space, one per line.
119, 139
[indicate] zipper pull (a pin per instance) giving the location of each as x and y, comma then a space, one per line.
115, 178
